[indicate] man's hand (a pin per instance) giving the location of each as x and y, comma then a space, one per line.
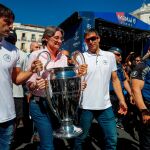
36, 66
82, 70
122, 108
145, 116
83, 85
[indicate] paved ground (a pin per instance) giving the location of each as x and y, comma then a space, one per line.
94, 141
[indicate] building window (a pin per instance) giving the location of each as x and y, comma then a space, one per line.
40, 38
33, 39
23, 38
23, 47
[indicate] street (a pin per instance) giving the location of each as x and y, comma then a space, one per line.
93, 142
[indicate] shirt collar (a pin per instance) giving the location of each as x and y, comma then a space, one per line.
99, 53
59, 54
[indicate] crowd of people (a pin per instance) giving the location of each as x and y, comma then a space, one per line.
121, 90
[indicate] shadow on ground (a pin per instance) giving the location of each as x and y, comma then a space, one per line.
93, 142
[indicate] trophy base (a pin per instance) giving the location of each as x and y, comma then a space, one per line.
67, 132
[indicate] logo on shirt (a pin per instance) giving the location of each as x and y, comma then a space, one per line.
7, 58
134, 74
105, 62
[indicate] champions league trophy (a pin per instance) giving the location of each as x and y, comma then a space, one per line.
63, 93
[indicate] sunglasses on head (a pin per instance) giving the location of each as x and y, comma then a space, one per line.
91, 39
117, 54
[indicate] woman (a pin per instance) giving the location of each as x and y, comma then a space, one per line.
53, 37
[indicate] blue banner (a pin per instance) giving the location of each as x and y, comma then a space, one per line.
120, 18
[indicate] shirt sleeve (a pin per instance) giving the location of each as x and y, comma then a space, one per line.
18, 60
113, 63
138, 72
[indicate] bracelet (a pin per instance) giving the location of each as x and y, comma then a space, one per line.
145, 112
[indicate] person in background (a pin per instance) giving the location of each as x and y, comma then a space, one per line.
67, 54
10, 72
147, 55
141, 89
95, 102
126, 89
138, 59
34, 46
53, 38
129, 64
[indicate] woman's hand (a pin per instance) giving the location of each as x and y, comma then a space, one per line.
41, 83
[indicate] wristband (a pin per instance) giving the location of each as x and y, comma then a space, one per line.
145, 112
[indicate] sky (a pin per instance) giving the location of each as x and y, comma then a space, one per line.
54, 12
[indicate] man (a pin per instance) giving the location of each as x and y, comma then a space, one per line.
34, 46
18, 93
95, 100
9, 72
67, 54
141, 90
124, 84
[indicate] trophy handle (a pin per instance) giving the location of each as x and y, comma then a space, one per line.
74, 56
48, 60
49, 88
78, 59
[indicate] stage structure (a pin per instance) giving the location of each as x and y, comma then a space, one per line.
117, 29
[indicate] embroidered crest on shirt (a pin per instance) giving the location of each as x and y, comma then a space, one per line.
105, 62
7, 58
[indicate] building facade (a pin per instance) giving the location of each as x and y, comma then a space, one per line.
143, 13
27, 34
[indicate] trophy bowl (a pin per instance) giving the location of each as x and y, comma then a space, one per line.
63, 93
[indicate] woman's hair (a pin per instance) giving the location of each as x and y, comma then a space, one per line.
50, 31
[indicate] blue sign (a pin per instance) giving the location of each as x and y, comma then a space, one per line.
120, 18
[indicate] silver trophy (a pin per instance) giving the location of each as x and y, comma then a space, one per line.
63, 93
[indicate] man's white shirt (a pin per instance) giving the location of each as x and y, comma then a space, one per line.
96, 95
18, 89
9, 58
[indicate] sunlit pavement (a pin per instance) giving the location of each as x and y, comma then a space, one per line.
93, 142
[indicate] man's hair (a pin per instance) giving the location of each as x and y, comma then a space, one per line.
115, 49
6, 12
90, 31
